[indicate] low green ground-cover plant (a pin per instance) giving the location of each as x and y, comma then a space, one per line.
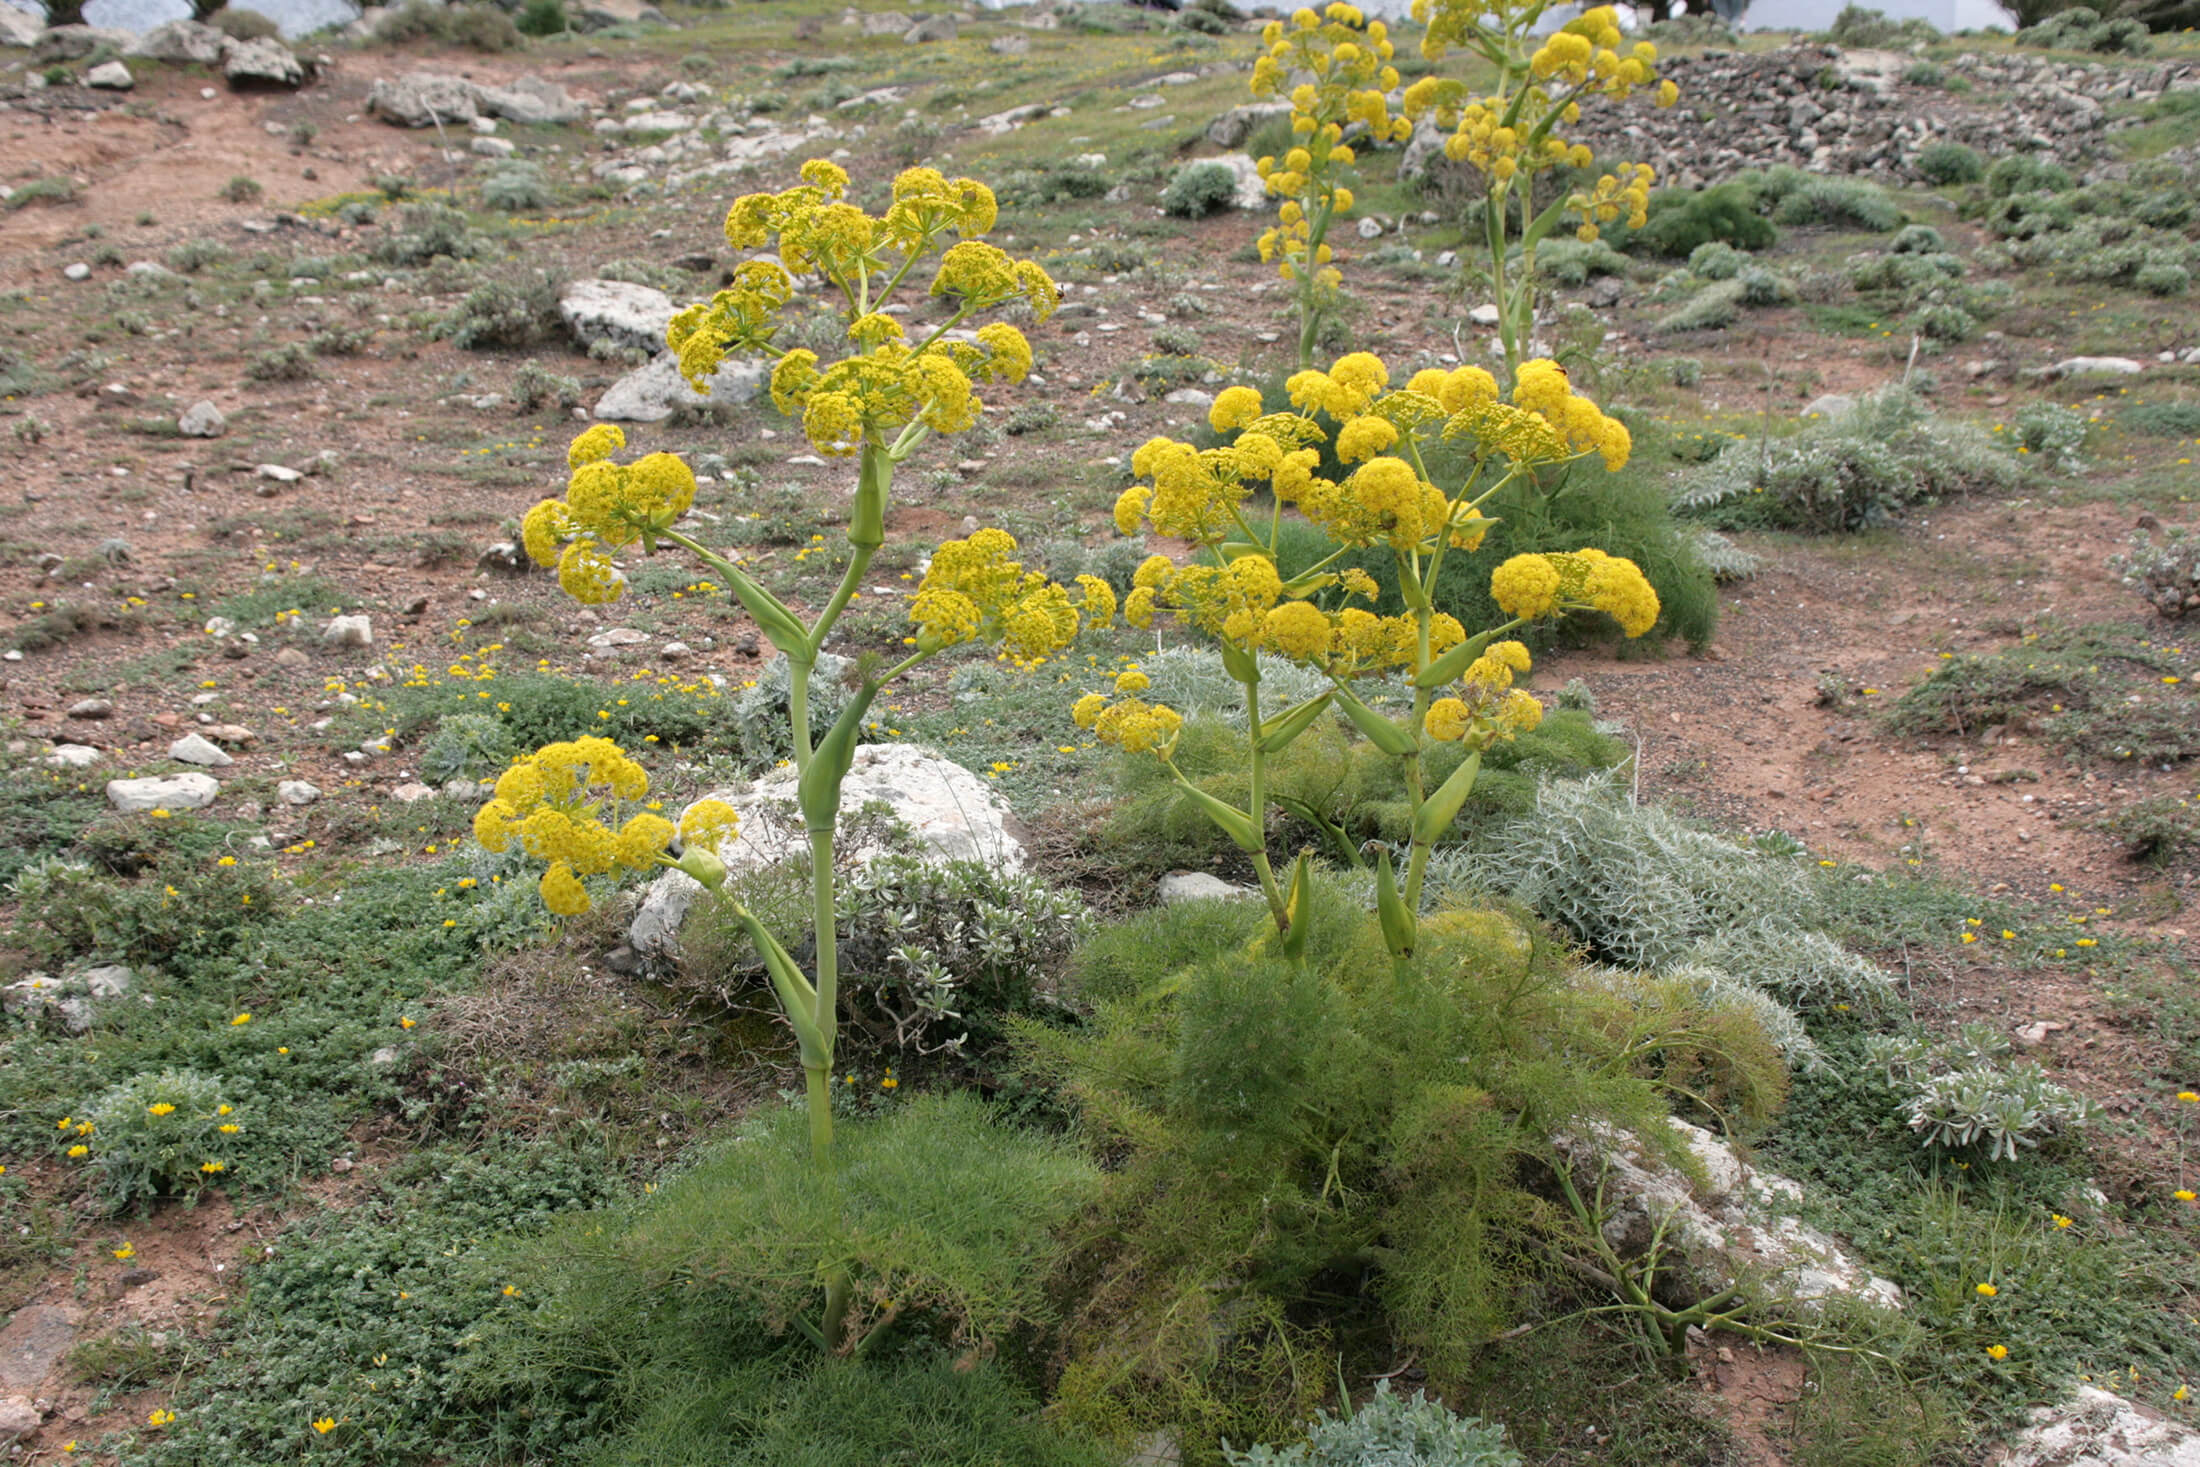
2097, 689
1678, 223
365, 1318
304, 1017
2075, 1290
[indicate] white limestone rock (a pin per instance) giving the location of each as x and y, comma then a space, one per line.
616, 311
194, 749
951, 813
653, 393
180, 42
1198, 886
192, 791
1738, 1226
2096, 1428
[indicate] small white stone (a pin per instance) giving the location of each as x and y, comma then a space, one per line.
193, 749
77, 271
349, 631
297, 792
408, 794
71, 756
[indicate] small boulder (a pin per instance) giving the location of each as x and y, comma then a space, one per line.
193, 791
931, 28
2096, 367
91, 708
202, 420
655, 392
1233, 127
77, 270
181, 42
71, 756
19, 28
348, 631
297, 792
412, 794
2096, 1428
262, 63
530, 100
19, 1415
953, 814
423, 98
616, 311
195, 749
110, 76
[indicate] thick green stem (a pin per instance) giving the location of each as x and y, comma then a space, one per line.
1257, 803
818, 1094
827, 974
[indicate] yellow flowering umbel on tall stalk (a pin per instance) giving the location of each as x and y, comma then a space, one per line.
1515, 132
1334, 69
875, 403
1463, 683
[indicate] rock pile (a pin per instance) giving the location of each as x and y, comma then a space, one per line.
1827, 110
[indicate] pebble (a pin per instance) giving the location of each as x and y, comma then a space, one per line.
91, 708
349, 631
297, 792
77, 271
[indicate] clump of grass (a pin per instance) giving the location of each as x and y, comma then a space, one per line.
1199, 189
292, 362
505, 313
242, 190
55, 189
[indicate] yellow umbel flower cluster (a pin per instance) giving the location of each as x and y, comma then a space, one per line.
561, 804
1197, 495
1535, 586
1487, 709
886, 383
1513, 131
1247, 604
972, 590
1128, 722
1334, 68
606, 505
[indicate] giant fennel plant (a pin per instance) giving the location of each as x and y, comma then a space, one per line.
1463, 684
1514, 133
1334, 69
581, 806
